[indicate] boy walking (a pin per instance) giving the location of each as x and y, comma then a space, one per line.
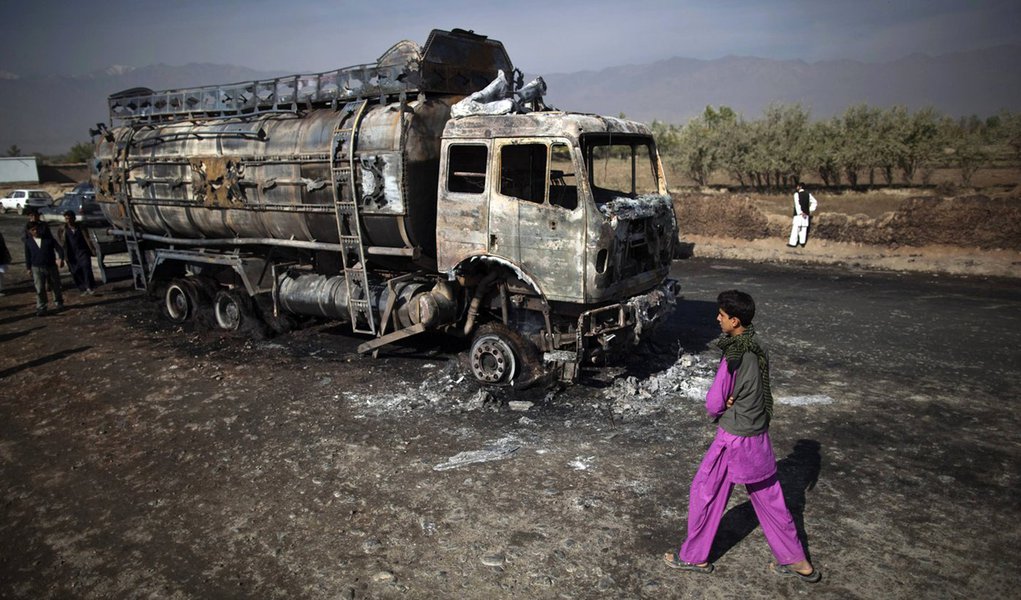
741, 402
41, 252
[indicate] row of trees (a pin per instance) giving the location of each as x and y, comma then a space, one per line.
781, 148
78, 153
864, 143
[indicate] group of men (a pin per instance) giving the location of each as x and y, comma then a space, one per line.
46, 255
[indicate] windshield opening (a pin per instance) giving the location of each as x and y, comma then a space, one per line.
620, 166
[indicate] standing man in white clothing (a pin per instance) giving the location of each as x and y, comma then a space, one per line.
804, 205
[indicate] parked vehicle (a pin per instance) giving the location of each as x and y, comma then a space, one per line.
82, 202
393, 198
19, 200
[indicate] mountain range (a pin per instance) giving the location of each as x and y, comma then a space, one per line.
50, 114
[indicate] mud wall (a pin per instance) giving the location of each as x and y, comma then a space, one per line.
64, 173
972, 221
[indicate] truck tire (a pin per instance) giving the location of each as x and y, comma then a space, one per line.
277, 324
499, 356
232, 310
181, 300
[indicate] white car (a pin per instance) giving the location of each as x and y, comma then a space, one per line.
19, 200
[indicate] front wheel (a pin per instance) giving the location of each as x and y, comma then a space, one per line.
500, 356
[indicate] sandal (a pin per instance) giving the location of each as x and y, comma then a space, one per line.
673, 562
785, 571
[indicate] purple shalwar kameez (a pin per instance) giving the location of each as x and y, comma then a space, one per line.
737, 459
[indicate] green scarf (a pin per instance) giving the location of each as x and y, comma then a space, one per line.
734, 347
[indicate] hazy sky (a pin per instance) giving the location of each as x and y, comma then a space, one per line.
541, 36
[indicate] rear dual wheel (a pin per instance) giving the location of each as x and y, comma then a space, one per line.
183, 298
232, 310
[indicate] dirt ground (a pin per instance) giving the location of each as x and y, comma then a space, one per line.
145, 460
893, 230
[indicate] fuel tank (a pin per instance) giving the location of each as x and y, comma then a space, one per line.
269, 176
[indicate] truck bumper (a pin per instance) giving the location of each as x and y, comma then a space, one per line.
609, 330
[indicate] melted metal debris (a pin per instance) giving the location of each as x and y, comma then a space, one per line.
650, 205
498, 450
805, 400
500, 98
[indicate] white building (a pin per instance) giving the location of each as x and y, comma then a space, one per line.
18, 169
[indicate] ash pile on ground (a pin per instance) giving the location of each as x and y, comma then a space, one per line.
451, 389
681, 386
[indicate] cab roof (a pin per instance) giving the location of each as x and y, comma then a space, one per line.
540, 124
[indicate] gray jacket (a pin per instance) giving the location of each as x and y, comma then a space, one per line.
748, 414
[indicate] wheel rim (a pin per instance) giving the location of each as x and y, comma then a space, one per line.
492, 360
178, 304
228, 313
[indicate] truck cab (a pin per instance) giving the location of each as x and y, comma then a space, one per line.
574, 206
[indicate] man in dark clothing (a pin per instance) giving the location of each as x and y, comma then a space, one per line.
5, 262
78, 254
41, 259
35, 217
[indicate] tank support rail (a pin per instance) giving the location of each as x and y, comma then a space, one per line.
454, 62
284, 94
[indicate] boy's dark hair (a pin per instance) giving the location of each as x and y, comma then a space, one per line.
737, 304
69, 213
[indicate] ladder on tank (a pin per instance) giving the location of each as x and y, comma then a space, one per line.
345, 201
136, 254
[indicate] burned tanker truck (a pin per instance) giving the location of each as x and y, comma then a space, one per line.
429, 191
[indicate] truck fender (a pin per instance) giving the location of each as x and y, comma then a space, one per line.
491, 268
491, 262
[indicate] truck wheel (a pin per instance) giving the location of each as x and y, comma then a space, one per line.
206, 286
232, 309
179, 301
275, 324
499, 356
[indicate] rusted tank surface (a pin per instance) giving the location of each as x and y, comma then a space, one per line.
262, 159
269, 177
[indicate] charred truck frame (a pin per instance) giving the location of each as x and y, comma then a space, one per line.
398, 198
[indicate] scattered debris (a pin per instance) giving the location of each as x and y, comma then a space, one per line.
494, 560
686, 380
582, 463
520, 405
805, 400
498, 450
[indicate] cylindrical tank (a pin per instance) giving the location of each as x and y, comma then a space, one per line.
429, 303
269, 176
